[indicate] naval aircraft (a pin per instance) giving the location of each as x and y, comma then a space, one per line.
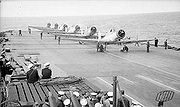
72, 31
48, 29
63, 29
90, 32
111, 37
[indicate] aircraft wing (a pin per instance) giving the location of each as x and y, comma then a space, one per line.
82, 39
108, 42
38, 28
45, 29
78, 35
130, 41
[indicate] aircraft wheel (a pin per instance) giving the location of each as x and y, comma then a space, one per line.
101, 48
127, 49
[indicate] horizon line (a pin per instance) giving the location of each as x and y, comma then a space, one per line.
97, 15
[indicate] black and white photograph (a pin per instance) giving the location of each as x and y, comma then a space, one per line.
89, 53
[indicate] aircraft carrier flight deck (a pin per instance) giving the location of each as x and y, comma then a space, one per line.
142, 75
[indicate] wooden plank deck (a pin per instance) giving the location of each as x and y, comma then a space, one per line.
28, 92
12, 93
21, 93
20, 63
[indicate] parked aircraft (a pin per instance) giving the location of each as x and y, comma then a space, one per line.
111, 37
48, 29
90, 32
65, 31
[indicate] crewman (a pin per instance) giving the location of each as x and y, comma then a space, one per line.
59, 40
101, 48
32, 74
55, 36
8, 68
11, 32
165, 44
160, 104
20, 33
156, 42
41, 34
93, 98
105, 101
148, 45
29, 30
2, 67
60, 99
46, 72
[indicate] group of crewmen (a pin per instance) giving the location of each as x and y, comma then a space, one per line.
156, 44
41, 35
86, 99
33, 74
5, 65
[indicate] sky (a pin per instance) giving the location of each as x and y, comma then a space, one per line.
39, 8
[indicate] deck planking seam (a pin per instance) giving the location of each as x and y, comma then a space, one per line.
55, 89
52, 91
28, 93
67, 86
43, 91
79, 88
87, 87
47, 88
18, 93
21, 93
40, 91
24, 91
31, 92
37, 92
34, 93
84, 89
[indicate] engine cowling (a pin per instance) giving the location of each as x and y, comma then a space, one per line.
56, 26
121, 34
93, 30
77, 28
65, 26
48, 25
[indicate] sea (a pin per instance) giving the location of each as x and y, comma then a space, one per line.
165, 25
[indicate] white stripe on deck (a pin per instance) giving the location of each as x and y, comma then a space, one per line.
126, 79
162, 71
125, 94
156, 83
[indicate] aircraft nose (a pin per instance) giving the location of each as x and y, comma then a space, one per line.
93, 30
121, 34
